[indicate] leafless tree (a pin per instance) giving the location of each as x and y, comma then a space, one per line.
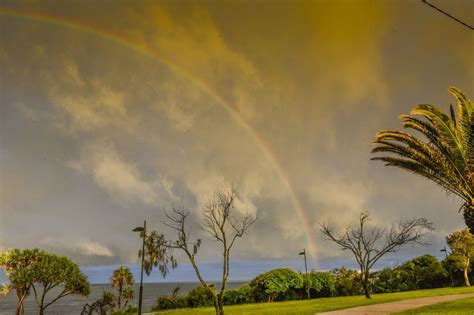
369, 244
221, 224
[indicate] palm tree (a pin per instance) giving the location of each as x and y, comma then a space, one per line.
122, 280
445, 153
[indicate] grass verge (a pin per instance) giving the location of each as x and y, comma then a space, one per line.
318, 305
458, 307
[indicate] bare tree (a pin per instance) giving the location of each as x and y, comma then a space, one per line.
222, 225
369, 244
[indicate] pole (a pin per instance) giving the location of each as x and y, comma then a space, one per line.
450, 275
140, 297
306, 270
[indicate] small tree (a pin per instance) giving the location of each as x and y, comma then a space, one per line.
102, 306
122, 280
17, 264
53, 271
462, 250
42, 272
219, 222
368, 245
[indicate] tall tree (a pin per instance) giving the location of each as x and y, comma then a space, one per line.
221, 222
462, 250
445, 153
369, 244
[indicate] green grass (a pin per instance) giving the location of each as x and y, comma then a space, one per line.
459, 307
319, 305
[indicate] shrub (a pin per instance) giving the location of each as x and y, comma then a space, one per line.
170, 302
276, 285
390, 280
424, 272
346, 282
199, 296
321, 284
242, 295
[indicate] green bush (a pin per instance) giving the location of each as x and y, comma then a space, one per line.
424, 272
199, 296
170, 302
346, 282
277, 285
242, 295
321, 284
390, 280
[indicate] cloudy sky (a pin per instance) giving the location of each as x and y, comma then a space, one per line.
112, 111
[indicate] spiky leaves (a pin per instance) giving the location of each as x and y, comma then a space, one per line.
444, 153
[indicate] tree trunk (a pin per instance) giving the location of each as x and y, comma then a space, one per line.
468, 215
365, 284
20, 310
466, 278
218, 305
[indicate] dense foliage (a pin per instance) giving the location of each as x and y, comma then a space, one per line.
38, 271
277, 285
462, 251
424, 272
346, 282
321, 284
242, 295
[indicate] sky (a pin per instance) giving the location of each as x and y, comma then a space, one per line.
113, 111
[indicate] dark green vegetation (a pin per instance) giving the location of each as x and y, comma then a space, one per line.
277, 285
462, 251
115, 302
313, 306
424, 272
459, 307
33, 271
445, 152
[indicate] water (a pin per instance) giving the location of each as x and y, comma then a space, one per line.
73, 304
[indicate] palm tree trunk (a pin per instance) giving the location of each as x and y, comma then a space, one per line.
469, 217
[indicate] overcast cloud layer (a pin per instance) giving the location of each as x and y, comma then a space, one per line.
97, 136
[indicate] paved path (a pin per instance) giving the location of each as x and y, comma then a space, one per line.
391, 307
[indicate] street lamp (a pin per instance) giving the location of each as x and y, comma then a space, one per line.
449, 267
306, 270
142, 230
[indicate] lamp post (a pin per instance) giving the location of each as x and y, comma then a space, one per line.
306, 270
444, 249
142, 230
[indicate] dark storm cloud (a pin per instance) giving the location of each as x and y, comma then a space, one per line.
97, 136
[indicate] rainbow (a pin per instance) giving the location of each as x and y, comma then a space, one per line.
137, 47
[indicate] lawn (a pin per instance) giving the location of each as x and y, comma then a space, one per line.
459, 307
321, 305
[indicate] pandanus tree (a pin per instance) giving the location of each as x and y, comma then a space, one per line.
444, 153
122, 280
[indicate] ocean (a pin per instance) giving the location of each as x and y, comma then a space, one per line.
73, 304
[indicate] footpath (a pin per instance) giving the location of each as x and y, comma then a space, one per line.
392, 307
